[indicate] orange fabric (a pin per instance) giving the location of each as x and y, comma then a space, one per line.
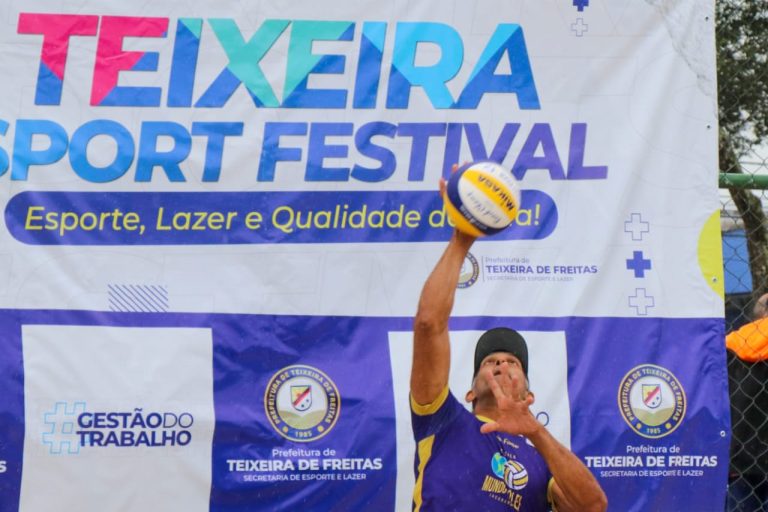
750, 342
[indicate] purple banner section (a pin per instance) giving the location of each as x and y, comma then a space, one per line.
664, 443
11, 412
190, 218
305, 409
283, 457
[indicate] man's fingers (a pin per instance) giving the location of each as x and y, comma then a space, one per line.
508, 384
487, 428
491, 381
507, 388
522, 396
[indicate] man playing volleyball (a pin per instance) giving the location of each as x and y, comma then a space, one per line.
499, 458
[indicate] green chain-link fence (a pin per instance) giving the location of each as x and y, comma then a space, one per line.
748, 378
742, 74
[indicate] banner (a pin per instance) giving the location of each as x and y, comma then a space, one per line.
218, 217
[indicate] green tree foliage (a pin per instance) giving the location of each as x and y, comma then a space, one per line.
742, 71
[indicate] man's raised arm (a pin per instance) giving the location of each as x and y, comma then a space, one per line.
431, 349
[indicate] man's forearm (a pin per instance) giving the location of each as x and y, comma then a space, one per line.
437, 296
579, 486
431, 349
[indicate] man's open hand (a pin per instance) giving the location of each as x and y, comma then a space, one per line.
513, 406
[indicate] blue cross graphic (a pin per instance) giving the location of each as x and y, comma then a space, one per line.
638, 264
580, 4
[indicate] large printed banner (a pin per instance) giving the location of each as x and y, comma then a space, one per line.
218, 217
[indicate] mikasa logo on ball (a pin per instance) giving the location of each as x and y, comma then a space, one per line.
482, 198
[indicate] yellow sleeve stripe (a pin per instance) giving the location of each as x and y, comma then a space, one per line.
431, 408
550, 498
424, 449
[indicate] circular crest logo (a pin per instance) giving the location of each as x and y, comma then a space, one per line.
302, 403
470, 271
651, 400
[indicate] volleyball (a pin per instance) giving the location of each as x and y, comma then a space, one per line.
515, 475
482, 198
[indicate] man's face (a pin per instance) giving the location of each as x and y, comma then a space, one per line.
503, 365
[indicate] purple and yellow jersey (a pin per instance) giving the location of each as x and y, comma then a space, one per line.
459, 468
